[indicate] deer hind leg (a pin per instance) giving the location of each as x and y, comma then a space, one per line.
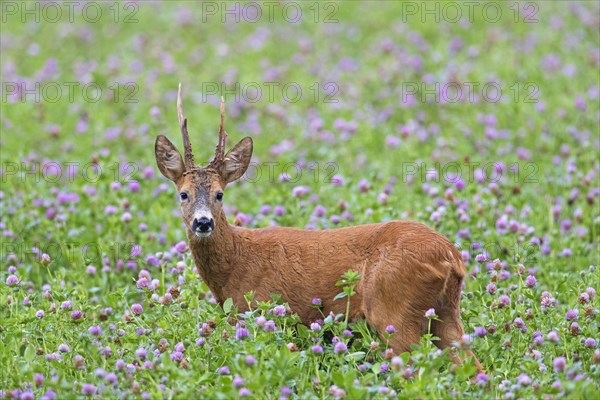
387, 302
450, 331
408, 328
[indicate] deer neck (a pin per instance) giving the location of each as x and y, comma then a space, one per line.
214, 255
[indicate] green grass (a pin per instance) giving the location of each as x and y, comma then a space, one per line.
370, 55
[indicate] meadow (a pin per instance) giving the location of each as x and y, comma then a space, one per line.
478, 118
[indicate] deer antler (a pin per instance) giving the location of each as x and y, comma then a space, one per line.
220, 150
187, 146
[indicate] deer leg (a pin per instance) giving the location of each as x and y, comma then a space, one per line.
407, 328
406, 335
450, 331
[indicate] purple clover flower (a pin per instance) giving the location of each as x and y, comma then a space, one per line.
177, 356
530, 281
279, 211
317, 349
241, 333
340, 347
64, 348
260, 321
238, 381
95, 330
572, 314
503, 301
279, 311
224, 370
88, 389
141, 353
181, 247
480, 331
524, 380
137, 309
269, 326
12, 280
553, 336
77, 314
559, 364
482, 379
520, 324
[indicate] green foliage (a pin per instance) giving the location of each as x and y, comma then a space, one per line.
348, 282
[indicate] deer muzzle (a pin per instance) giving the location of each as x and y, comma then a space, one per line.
203, 226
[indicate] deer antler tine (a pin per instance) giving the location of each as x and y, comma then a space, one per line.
220, 151
222, 115
179, 107
187, 146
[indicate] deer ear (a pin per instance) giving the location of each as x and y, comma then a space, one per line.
236, 161
168, 159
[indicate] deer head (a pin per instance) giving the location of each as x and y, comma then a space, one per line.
201, 188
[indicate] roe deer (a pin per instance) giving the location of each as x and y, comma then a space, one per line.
406, 268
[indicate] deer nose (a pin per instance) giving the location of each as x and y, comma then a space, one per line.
203, 224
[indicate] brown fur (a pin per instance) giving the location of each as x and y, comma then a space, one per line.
405, 266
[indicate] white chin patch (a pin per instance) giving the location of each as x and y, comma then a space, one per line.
202, 234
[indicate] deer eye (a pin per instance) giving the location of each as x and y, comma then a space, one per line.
183, 195
219, 196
